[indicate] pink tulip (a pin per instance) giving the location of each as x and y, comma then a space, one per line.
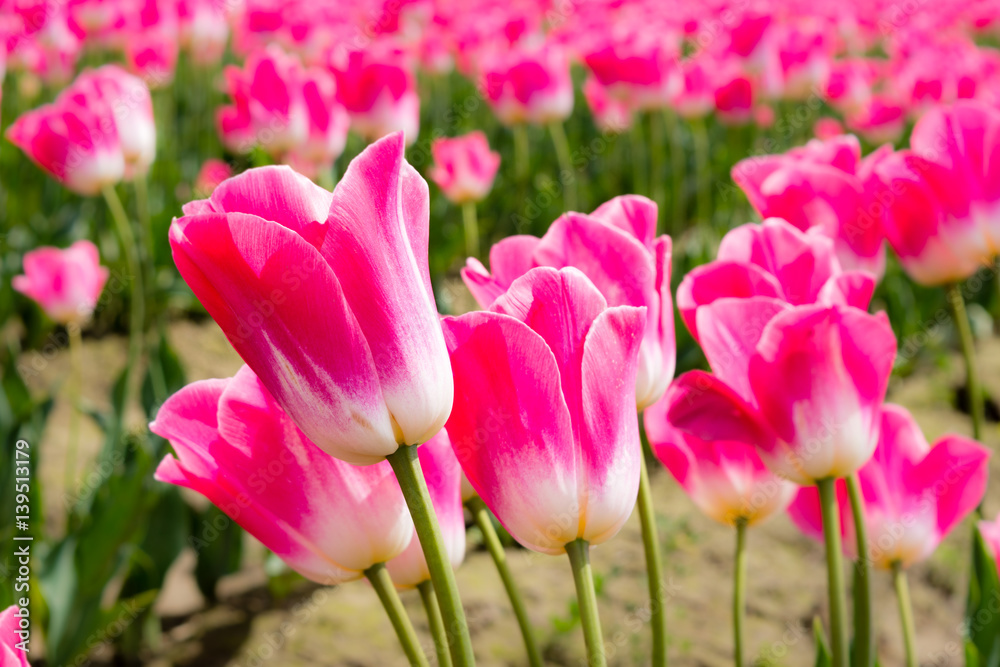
268, 107
329, 520
127, 100
212, 173
734, 98
379, 92
881, 119
528, 86
635, 70
943, 195
544, 423
76, 145
328, 124
914, 494
610, 115
827, 128
695, 96
464, 167
328, 297
804, 384
990, 530
65, 283
204, 30
824, 186
10, 625
615, 248
726, 479
152, 41
776, 260
444, 481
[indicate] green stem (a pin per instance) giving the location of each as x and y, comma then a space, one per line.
654, 578
435, 622
567, 175
579, 557
142, 211
740, 591
675, 132
699, 137
405, 464
969, 352
639, 174
656, 179
138, 306
835, 571
481, 516
905, 612
522, 151
471, 229
76, 391
382, 583
864, 648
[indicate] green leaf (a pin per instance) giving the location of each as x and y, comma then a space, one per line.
824, 658
164, 376
982, 622
219, 543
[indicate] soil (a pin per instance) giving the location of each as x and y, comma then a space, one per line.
346, 625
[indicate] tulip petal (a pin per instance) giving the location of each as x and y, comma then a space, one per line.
369, 245
633, 214
704, 406
282, 309
708, 282
511, 429
512, 257
955, 470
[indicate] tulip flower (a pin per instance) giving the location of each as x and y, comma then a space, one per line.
328, 520
990, 530
327, 297
635, 69
913, 496
268, 107
10, 654
77, 145
941, 202
379, 92
776, 260
528, 86
127, 100
610, 115
544, 422
152, 41
212, 173
65, 283
734, 98
824, 185
615, 248
464, 169
204, 30
328, 124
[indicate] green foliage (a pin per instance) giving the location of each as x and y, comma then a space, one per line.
982, 611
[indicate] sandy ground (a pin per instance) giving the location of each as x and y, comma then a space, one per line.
346, 626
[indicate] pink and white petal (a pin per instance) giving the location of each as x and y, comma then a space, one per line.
512, 257
658, 355
283, 310
633, 214
481, 284
511, 430
368, 244
851, 288
609, 439
956, 470
715, 280
730, 329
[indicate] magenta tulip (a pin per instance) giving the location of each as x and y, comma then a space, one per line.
610, 115
10, 627
914, 494
329, 520
943, 210
826, 186
212, 173
65, 283
990, 530
328, 124
464, 167
444, 481
726, 479
616, 248
776, 260
528, 85
544, 423
379, 92
328, 297
76, 145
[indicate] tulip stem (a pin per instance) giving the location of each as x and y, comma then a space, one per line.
968, 344
405, 464
676, 141
835, 571
579, 557
905, 612
739, 591
699, 137
522, 151
137, 309
146, 223
435, 622
863, 635
639, 175
75, 392
567, 175
481, 515
656, 179
382, 583
654, 571
471, 229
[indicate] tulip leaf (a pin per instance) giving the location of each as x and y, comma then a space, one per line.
982, 620
218, 541
164, 376
824, 658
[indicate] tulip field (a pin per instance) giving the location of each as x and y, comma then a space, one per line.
522, 332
